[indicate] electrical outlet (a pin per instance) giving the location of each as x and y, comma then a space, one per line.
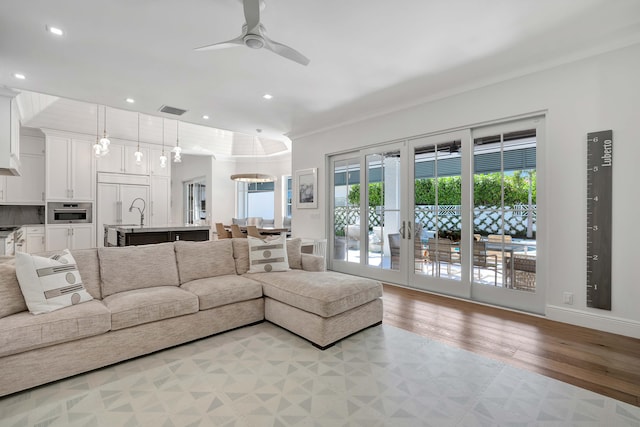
567, 298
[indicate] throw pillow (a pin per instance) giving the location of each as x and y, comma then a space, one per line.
268, 255
50, 284
11, 299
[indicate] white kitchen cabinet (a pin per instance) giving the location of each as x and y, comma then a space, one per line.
154, 162
70, 169
130, 165
121, 160
113, 205
160, 201
34, 239
9, 133
77, 236
30, 239
27, 189
113, 161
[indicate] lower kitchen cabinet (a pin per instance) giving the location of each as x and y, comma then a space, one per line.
72, 236
30, 239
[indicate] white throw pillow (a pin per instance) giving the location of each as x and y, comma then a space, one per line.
50, 284
268, 255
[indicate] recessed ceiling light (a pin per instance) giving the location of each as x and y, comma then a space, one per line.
19, 76
130, 100
205, 117
55, 30
267, 96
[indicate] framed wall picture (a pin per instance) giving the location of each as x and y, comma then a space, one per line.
306, 181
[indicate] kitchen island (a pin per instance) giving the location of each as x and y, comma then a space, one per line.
129, 234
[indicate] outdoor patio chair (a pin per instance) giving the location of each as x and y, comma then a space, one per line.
522, 272
442, 250
394, 250
504, 239
483, 259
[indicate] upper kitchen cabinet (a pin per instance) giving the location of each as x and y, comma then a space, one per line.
28, 188
121, 159
155, 167
9, 134
70, 168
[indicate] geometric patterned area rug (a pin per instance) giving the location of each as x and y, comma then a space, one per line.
265, 376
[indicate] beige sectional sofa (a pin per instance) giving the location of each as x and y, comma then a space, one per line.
151, 297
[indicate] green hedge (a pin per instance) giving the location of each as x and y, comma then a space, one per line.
486, 190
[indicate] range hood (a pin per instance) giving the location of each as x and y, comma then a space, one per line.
9, 133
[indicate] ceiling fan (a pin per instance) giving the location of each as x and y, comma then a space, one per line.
254, 35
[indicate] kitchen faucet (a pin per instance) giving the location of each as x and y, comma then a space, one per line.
144, 206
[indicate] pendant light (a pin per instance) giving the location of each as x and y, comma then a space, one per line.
138, 153
104, 141
163, 157
254, 177
177, 150
97, 148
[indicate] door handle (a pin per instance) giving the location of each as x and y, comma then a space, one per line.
409, 228
402, 229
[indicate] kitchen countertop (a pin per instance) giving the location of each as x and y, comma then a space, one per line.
130, 228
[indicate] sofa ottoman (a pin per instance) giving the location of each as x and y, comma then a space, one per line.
322, 307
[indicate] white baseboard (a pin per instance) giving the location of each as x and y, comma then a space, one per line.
611, 324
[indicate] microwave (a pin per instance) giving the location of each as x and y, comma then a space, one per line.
67, 213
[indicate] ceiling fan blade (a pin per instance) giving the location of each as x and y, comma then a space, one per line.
222, 45
286, 51
252, 15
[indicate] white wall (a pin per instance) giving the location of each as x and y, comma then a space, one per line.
221, 190
598, 93
191, 167
277, 166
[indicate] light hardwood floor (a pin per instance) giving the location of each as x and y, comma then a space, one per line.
605, 363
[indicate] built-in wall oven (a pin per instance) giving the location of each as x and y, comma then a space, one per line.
65, 212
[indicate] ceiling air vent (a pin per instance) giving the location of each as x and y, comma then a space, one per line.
172, 110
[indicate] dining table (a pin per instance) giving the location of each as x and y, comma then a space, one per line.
262, 230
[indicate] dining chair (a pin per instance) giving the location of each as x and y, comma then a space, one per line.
252, 231
236, 232
239, 221
255, 220
222, 232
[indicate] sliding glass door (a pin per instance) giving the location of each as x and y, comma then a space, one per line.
366, 212
438, 185
505, 214
454, 213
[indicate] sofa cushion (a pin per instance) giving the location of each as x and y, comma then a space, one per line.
241, 254
324, 293
131, 308
294, 253
23, 331
11, 299
137, 267
197, 260
89, 268
222, 290
49, 284
267, 254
